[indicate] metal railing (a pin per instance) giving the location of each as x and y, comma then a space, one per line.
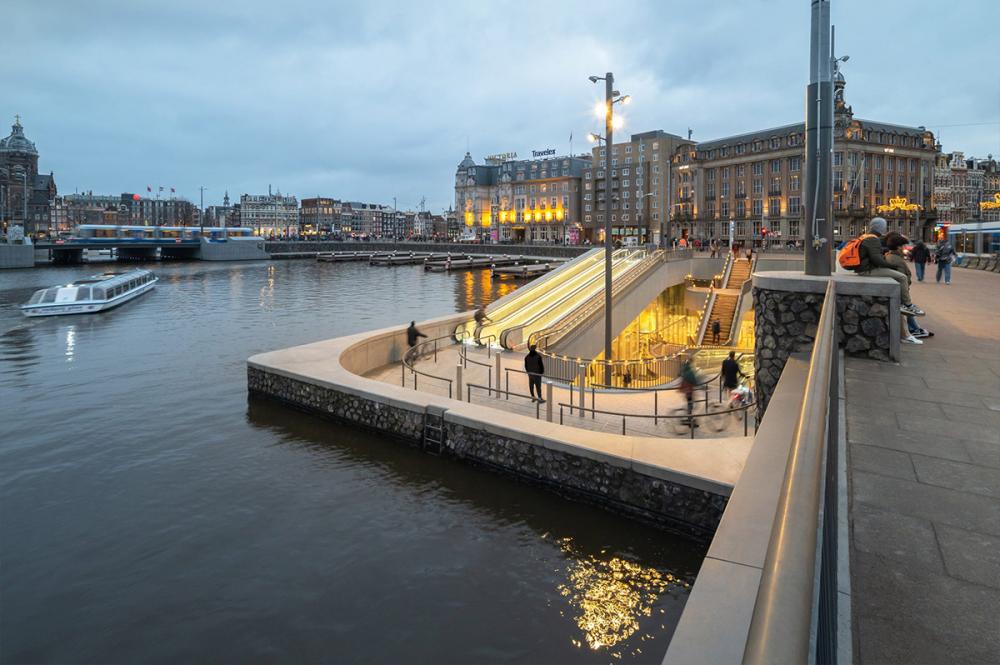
790, 589
425, 348
734, 328
489, 390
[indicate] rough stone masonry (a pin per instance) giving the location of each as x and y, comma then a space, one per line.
785, 323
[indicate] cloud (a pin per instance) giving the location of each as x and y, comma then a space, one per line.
366, 101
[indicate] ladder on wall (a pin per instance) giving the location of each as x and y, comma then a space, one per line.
434, 432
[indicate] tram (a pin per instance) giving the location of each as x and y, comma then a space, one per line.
104, 232
975, 237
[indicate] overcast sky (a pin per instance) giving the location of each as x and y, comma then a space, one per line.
370, 100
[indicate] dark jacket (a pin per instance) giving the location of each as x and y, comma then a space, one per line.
716, 326
870, 254
412, 334
920, 253
730, 373
533, 363
945, 252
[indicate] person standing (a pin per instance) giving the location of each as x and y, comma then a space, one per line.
412, 334
716, 329
945, 255
689, 380
920, 255
535, 368
480, 316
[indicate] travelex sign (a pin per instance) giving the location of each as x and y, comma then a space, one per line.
543, 153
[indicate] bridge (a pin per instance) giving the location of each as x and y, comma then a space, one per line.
150, 249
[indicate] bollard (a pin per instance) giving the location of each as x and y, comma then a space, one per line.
548, 402
458, 380
497, 365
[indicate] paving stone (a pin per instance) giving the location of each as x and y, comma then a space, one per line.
969, 555
985, 454
859, 375
882, 461
958, 476
946, 428
986, 416
895, 536
972, 399
937, 504
913, 617
981, 387
890, 436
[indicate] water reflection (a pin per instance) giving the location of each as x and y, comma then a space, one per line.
479, 287
70, 343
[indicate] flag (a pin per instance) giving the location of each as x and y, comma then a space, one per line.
571, 137
161, 188
172, 190
149, 189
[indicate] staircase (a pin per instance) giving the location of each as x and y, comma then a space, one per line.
739, 274
723, 310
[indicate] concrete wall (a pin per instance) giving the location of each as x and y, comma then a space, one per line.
234, 249
16, 256
769, 264
555, 251
587, 340
706, 268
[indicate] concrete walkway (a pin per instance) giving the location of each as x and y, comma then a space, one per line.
924, 471
640, 403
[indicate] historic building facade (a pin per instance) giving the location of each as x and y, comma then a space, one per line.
750, 187
26, 197
521, 200
269, 214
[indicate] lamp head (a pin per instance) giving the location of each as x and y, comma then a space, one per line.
595, 79
627, 99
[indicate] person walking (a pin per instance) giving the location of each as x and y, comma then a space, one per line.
944, 255
412, 334
920, 255
731, 372
689, 379
716, 330
535, 368
480, 316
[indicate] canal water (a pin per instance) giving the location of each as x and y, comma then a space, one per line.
150, 513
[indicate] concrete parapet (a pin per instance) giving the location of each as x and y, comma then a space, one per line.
554, 251
16, 256
233, 249
787, 306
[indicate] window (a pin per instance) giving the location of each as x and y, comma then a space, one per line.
724, 209
614, 162
724, 151
628, 149
775, 143
775, 186
794, 205
775, 166
757, 208
838, 159
625, 182
710, 175
724, 189
758, 186
794, 163
741, 148
773, 207
889, 162
725, 173
758, 168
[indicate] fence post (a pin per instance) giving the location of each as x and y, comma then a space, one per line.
581, 373
496, 363
507, 376
656, 407
548, 402
436, 351
403, 383
458, 380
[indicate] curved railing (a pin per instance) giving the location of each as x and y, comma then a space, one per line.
425, 348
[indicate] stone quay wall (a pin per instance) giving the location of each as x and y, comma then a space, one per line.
667, 504
786, 314
551, 251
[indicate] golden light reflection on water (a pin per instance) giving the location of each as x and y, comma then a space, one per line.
609, 597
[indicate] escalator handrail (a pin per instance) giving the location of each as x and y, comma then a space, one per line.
504, 334
595, 302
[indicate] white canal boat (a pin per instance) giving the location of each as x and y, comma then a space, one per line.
94, 294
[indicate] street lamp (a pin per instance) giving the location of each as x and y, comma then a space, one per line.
611, 97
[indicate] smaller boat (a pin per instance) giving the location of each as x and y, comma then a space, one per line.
94, 294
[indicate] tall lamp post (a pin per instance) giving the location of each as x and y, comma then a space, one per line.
201, 212
611, 97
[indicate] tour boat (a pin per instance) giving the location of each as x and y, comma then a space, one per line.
94, 294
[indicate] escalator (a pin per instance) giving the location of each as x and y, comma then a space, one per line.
509, 306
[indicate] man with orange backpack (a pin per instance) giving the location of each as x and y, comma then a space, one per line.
864, 256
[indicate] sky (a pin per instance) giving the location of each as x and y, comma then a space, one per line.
367, 101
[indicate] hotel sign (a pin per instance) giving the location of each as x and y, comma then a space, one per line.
543, 153
991, 205
898, 204
502, 156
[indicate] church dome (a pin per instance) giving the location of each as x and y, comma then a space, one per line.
467, 162
839, 77
17, 141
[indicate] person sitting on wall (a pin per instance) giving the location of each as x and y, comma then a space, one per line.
894, 244
873, 264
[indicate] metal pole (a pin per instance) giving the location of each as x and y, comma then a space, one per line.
609, 82
819, 143
201, 213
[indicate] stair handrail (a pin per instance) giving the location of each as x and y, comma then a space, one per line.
744, 289
726, 270
705, 311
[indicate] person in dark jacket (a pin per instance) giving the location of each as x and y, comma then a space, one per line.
944, 255
873, 264
412, 334
731, 372
535, 368
716, 329
920, 255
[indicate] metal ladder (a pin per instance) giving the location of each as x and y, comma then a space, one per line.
434, 436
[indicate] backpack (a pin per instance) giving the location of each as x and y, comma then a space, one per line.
850, 254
